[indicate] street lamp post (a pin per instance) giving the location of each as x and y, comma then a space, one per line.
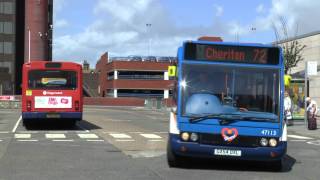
148, 25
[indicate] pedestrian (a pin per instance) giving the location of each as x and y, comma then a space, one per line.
287, 108
312, 106
312, 110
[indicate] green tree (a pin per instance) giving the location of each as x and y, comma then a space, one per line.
292, 49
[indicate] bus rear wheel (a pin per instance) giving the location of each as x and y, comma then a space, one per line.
173, 159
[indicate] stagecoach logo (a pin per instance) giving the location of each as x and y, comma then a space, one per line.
51, 93
229, 134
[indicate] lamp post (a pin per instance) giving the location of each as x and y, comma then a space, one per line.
148, 25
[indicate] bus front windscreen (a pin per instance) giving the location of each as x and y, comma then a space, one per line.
52, 79
233, 90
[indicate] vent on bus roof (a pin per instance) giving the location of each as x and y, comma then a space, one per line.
53, 65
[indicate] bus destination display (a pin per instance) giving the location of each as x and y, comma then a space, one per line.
227, 53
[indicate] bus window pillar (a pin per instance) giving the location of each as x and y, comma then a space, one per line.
115, 74
115, 93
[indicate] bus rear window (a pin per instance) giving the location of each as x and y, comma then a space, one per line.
52, 79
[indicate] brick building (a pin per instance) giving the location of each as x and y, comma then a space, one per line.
133, 78
19, 20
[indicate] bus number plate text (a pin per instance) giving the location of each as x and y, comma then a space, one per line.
227, 152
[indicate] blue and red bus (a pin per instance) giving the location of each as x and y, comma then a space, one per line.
52, 90
229, 103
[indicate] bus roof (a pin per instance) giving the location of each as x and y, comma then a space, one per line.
52, 64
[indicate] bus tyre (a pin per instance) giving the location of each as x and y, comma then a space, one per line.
173, 159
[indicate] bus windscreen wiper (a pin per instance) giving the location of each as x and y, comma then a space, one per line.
253, 118
221, 116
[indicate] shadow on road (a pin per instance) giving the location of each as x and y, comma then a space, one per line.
59, 125
237, 165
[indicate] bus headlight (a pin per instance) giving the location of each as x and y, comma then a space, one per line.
194, 137
185, 136
273, 142
264, 142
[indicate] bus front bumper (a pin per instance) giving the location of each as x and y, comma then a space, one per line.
192, 149
49, 115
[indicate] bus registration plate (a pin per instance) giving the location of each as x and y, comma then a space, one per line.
53, 115
227, 152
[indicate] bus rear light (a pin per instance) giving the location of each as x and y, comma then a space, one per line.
77, 105
28, 105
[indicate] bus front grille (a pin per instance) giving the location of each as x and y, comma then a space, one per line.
239, 141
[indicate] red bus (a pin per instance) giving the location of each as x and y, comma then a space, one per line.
52, 90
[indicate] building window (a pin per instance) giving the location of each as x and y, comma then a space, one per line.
6, 67
7, 8
8, 48
7, 27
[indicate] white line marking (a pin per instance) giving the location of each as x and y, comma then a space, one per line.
95, 140
22, 136
53, 136
58, 132
1, 140
88, 136
28, 140
124, 140
63, 140
161, 132
297, 140
17, 123
317, 143
84, 129
120, 136
4, 132
27, 132
155, 140
151, 136
299, 137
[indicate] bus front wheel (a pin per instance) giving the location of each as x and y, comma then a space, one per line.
173, 159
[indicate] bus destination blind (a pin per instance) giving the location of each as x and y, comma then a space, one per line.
228, 53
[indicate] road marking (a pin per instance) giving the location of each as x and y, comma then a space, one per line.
297, 140
317, 143
155, 140
1, 140
120, 136
84, 129
55, 136
4, 132
32, 132
63, 140
151, 136
124, 140
299, 137
17, 123
22, 136
28, 140
95, 140
88, 136
58, 132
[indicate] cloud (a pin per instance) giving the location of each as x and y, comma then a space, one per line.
261, 9
218, 10
301, 16
120, 28
61, 23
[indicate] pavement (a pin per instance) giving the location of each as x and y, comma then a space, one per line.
299, 127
